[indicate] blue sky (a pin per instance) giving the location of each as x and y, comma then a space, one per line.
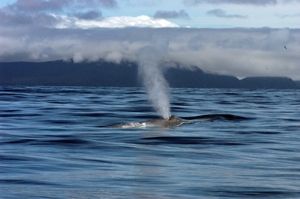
198, 13
230, 37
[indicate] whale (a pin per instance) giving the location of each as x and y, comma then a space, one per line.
172, 121
175, 121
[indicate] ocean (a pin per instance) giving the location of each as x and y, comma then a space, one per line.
56, 142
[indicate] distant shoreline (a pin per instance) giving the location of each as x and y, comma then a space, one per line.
101, 73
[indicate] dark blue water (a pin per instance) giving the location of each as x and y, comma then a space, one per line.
54, 144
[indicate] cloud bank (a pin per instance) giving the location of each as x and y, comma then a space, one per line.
172, 14
44, 13
238, 2
30, 32
89, 15
58, 5
250, 2
222, 14
111, 22
238, 52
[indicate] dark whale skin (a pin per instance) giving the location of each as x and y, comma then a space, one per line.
172, 121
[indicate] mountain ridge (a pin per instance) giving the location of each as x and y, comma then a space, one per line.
125, 74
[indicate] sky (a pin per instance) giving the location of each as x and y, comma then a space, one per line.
230, 37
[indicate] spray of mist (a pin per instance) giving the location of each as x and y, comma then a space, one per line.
154, 81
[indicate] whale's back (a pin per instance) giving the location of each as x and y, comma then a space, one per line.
172, 121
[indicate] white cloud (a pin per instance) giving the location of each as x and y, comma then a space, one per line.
251, 2
77, 57
239, 52
114, 57
113, 22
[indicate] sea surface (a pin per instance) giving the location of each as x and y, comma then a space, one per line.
56, 142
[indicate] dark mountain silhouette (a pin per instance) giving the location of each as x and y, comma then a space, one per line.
297, 83
60, 73
268, 82
125, 74
196, 78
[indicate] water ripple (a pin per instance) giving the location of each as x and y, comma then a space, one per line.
244, 144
